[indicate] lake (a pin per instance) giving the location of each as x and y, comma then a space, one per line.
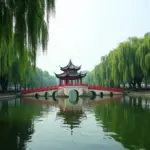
115, 123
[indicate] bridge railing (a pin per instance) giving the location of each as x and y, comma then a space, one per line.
62, 85
105, 88
33, 90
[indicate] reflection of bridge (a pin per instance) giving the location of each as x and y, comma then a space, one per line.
65, 104
70, 80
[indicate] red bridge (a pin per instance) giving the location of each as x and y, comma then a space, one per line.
82, 89
69, 80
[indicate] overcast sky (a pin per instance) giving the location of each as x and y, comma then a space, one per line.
85, 30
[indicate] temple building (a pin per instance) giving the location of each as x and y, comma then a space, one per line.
70, 74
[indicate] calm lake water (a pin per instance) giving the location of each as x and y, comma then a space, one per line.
101, 124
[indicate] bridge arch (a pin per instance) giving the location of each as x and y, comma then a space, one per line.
77, 93
73, 95
101, 94
92, 94
54, 95
46, 94
37, 95
79, 90
111, 94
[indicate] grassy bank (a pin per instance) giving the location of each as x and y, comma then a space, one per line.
138, 92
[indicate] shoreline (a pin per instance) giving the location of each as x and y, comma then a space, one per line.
143, 94
138, 92
4, 97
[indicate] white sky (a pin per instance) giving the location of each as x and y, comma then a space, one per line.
85, 30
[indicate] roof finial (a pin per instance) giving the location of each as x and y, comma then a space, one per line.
70, 62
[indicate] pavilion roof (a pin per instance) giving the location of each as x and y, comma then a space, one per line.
70, 66
71, 74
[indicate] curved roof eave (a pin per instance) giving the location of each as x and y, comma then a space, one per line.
70, 66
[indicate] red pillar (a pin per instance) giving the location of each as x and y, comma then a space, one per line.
80, 81
66, 81
59, 81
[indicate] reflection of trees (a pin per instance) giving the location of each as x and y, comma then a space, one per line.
129, 120
16, 125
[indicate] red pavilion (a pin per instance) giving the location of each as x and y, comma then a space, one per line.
70, 74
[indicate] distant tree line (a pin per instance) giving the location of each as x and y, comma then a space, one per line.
33, 78
16, 71
129, 63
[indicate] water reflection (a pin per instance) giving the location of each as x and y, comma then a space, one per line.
129, 120
124, 119
71, 113
16, 124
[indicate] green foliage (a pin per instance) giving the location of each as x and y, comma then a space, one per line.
129, 120
128, 63
23, 25
34, 78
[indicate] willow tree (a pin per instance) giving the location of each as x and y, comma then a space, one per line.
115, 69
12, 68
125, 59
143, 55
127, 63
109, 76
97, 75
6, 60
135, 68
23, 30
26, 23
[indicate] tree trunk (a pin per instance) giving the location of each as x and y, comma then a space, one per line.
25, 87
139, 84
4, 83
15, 86
145, 82
28, 86
138, 80
134, 84
130, 85
118, 86
20, 87
123, 85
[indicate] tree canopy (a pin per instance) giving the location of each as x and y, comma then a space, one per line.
24, 25
128, 63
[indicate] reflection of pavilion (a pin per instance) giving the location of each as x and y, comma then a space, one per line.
72, 114
68, 105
